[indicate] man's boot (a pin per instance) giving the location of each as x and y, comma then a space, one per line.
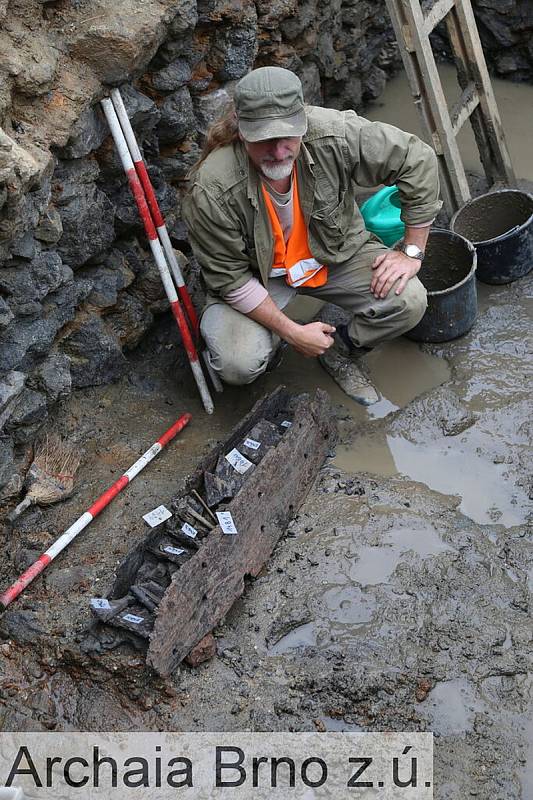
342, 362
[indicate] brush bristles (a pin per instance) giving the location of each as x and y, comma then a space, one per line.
55, 457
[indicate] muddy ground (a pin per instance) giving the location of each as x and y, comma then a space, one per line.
399, 598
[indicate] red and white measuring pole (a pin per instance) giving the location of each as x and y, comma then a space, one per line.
144, 211
65, 539
153, 205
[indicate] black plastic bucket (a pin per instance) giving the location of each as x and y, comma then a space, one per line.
448, 274
500, 226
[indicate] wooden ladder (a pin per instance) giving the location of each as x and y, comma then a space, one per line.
413, 22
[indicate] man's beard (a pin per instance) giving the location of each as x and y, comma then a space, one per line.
277, 171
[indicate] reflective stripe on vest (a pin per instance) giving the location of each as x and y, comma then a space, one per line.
294, 257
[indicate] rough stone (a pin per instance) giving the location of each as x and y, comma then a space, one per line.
31, 63
25, 246
310, 77
185, 19
53, 377
172, 77
10, 388
6, 315
22, 169
177, 161
88, 229
6, 459
88, 134
129, 320
95, 354
177, 117
26, 284
24, 342
69, 174
21, 626
374, 83
119, 43
47, 273
28, 415
234, 52
66, 579
107, 283
142, 111
127, 219
209, 107
50, 227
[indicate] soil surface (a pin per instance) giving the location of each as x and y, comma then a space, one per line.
399, 598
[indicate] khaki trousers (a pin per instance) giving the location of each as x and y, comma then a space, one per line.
240, 349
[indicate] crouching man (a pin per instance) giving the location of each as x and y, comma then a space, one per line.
271, 214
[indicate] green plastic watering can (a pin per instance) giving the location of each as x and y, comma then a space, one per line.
381, 214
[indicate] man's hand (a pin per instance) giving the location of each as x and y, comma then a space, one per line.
389, 268
312, 339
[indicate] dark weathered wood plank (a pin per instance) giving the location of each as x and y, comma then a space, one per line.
205, 588
266, 406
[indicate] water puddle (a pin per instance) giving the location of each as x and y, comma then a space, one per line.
486, 496
302, 636
348, 606
395, 106
334, 724
375, 565
400, 370
451, 706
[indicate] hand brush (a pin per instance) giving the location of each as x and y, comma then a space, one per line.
50, 477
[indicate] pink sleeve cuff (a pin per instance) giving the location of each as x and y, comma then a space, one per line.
247, 297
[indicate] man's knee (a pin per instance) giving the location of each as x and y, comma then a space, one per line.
239, 348
239, 369
416, 302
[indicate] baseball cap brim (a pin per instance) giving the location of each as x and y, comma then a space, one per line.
256, 130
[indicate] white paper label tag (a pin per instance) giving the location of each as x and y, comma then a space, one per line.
286, 423
225, 520
157, 516
238, 461
174, 551
188, 530
252, 444
101, 602
133, 618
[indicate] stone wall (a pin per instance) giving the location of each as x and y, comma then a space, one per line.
506, 30
77, 284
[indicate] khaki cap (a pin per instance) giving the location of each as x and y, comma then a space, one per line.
270, 105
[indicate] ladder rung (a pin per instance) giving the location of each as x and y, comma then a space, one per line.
464, 107
438, 11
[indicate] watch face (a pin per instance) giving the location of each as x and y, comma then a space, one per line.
412, 250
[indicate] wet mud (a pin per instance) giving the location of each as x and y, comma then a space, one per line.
399, 599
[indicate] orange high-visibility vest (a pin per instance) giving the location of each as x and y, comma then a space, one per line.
294, 257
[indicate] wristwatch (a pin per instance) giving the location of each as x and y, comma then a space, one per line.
411, 250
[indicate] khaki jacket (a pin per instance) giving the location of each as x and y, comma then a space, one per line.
226, 216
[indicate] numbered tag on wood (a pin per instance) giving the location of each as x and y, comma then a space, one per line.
286, 423
157, 516
252, 444
225, 520
188, 530
238, 461
133, 618
174, 551
101, 603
